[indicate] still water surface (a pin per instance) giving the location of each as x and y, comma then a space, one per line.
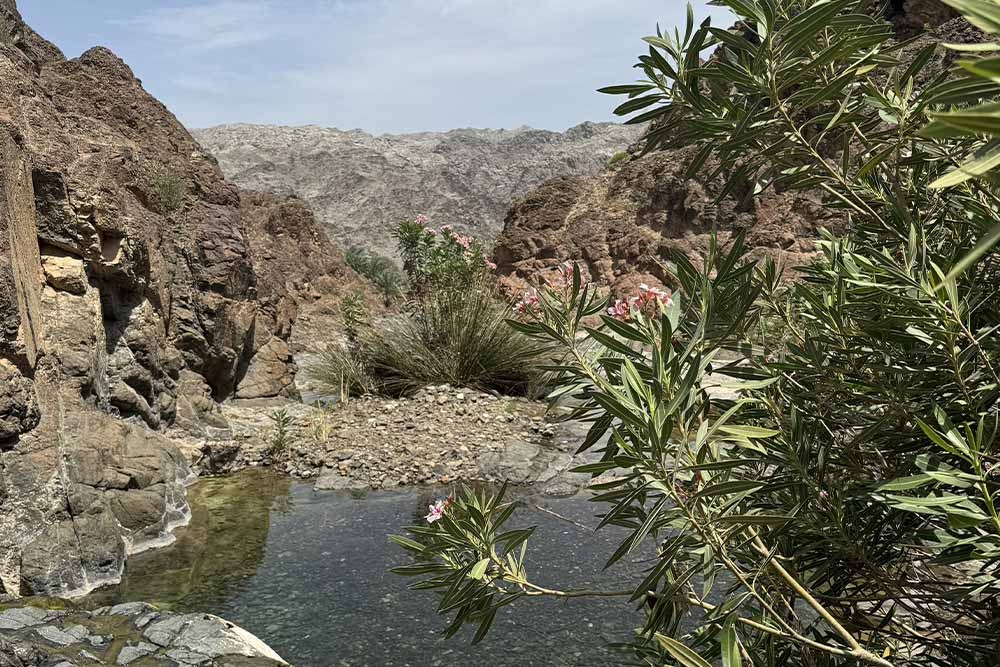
308, 573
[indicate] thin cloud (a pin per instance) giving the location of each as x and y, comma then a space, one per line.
216, 25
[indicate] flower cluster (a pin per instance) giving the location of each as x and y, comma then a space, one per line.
422, 219
437, 510
622, 309
527, 302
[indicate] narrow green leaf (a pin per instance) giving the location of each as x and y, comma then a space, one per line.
681, 653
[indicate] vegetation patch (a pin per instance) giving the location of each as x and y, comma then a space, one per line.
452, 329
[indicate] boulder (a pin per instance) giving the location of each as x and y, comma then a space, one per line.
131, 633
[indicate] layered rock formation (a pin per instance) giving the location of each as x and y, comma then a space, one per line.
361, 186
129, 301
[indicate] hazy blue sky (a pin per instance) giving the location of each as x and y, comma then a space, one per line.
379, 65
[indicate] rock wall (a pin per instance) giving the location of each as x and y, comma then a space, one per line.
623, 224
130, 300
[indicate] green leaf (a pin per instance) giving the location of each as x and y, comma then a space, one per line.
626, 90
730, 646
681, 653
723, 488
981, 13
407, 543
757, 519
981, 119
751, 432
906, 483
988, 160
479, 569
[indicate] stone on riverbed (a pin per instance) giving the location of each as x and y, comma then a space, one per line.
131, 633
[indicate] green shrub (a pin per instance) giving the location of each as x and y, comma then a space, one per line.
355, 315
839, 506
617, 157
381, 271
280, 438
440, 258
451, 336
341, 371
169, 189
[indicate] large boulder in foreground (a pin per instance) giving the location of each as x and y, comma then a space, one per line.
131, 633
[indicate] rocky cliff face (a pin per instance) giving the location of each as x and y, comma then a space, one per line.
361, 186
129, 298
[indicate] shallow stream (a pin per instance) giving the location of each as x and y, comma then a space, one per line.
307, 572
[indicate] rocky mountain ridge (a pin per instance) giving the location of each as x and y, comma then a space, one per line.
360, 186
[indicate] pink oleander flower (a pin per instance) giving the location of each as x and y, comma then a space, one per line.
437, 510
464, 241
649, 294
422, 219
490, 264
446, 228
563, 276
526, 303
431, 231
620, 310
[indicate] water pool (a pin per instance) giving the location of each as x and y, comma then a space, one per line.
307, 572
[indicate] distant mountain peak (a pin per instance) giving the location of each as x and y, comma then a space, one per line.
361, 185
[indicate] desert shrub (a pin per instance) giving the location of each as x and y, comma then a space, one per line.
355, 315
381, 271
842, 509
450, 336
169, 189
440, 258
341, 370
452, 329
617, 157
280, 436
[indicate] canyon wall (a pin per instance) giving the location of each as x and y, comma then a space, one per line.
130, 301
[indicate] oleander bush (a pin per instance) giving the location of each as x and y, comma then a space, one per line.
440, 258
841, 498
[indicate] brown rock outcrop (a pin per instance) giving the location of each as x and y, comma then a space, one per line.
302, 276
128, 293
623, 224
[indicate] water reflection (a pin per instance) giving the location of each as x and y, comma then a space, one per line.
216, 554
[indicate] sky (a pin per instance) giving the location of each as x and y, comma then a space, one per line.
385, 66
